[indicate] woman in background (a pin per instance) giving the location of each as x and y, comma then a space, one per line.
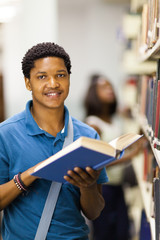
102, 114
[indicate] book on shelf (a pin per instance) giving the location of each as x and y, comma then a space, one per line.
154, 108
145, 163
149, 25
158, 19
149, 165
156, 142
152, 23
144, 27
156, 184
154, 9
150, 106
156, 134
82, 153
149, 100
143, 93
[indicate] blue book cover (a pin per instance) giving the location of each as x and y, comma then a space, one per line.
82, 153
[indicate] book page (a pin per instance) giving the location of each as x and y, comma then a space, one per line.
124, 141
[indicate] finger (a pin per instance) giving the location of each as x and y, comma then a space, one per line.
76, 176
83, 175
69, 179
75, 180
93, 173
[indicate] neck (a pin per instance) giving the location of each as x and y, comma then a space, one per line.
50, 120
105, 115
107, 119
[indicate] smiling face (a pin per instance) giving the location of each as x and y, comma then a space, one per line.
49, 82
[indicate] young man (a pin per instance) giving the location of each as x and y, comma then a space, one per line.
35, 134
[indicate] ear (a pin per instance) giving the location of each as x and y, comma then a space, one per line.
28, 85
69, 79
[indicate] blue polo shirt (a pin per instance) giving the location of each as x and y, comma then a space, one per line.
22, 145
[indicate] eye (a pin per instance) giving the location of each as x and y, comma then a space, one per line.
61, 75
42, 77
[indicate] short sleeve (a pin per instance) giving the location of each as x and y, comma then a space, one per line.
4, 166
103, 178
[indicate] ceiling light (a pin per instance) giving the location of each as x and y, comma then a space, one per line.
8, 9
7, 13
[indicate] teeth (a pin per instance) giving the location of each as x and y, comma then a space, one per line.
52, 94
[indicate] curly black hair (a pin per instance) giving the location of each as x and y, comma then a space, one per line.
42, 50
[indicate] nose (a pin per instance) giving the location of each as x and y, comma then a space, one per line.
53, 82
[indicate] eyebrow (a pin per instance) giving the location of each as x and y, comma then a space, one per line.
62, 70
59, 71
40, 72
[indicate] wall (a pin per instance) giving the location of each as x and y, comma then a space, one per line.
86, 29
35, 22
89, 32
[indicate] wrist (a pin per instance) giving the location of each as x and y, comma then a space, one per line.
90, 188
20, 184
27, 178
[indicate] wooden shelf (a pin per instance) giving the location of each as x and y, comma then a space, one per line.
152, 224
131, 65
144, 62
146, 192
136, 5
143, 123
145, 187
153, 53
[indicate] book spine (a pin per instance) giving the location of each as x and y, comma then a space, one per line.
149, 105
156, 143
105, 163
155, 82
156, 184
157, 139
143, 94
157, 124
150, 112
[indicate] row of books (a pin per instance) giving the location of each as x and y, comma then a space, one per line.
148, 96
149, 102
150, 25
156, 199
151, 174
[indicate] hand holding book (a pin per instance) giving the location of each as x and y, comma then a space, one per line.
82, 178
133, 150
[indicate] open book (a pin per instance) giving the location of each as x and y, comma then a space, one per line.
82, 153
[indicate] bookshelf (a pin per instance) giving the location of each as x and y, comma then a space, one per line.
136, 5
146, 193
143, 123
144, 62
153, 53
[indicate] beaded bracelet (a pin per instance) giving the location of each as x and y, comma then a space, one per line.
20, 185
17, 184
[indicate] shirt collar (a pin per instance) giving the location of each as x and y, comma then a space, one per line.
34, 129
